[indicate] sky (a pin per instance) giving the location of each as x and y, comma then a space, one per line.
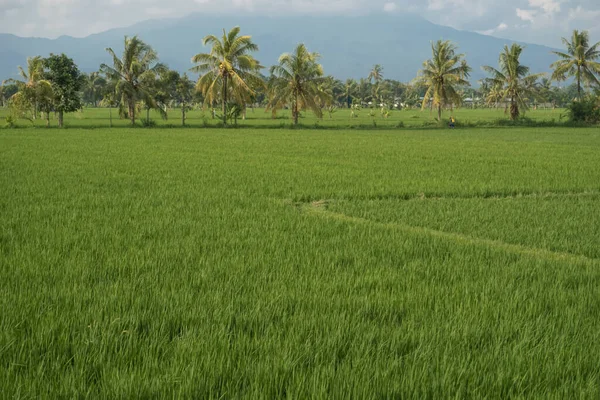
533, 21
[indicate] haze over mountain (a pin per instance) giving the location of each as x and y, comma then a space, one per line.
349, 45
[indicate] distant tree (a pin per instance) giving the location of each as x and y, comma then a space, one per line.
67, 82
137, 62
93, 88
184, 94
376, 74
512, 78
8, 90
349, 92
296, 82
32, 85
228, 72
3, 97
442, 75
580, 61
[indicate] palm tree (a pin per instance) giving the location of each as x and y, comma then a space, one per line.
228, 71
94, 86
513, 80
33, 86
376, 74
296, 82
349, 91
579, 61
130, 71
442, 75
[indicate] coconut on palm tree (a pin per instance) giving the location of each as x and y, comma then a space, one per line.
580, 61
513, 80
442, 76
138, 62
229, 71
296, 82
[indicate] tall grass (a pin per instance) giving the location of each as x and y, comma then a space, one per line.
148, 263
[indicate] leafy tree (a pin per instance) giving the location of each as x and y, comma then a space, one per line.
184, 93
296, 82
67, 81
442, 75
579, 61
513, 80
138, 62
228, 72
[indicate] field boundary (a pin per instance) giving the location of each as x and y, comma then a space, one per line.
319, 208
490, 195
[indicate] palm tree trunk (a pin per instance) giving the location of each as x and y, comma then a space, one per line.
131, 111
183, 113
439, 113
60, 118
47, 119
579, 82
110, 116
224, 96
147, 115
295, 110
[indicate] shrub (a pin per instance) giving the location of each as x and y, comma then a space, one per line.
10, 122
148, 123
585, 110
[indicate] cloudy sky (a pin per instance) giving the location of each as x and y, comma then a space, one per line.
536, 21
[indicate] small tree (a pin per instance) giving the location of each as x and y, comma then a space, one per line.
185, 95
67, 81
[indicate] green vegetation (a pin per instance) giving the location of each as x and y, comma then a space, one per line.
132, 75
255, 263
228, 72
231, 76
296, 83
442, 75
513, 81
367, 256
354, 118
580, 61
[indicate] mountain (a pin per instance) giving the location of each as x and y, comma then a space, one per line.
349, 45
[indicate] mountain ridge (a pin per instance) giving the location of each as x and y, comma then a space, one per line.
349, 45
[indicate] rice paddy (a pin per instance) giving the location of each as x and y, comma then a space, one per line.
262, 263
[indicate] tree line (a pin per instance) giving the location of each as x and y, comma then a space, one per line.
231, 79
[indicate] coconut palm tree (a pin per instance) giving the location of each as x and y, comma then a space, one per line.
228, 71
376, 74
296, 82
580, 61
350, 87
32, 86
512, 78
94, 86
442, 76
131, 70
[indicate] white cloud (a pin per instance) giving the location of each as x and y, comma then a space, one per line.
390, 7
526, 15
549, 6
501, 27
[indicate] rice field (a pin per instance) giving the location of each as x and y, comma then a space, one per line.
341, 118
267, 263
